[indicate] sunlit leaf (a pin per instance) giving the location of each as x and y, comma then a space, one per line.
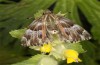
31, 61
46, 60
75, 46
17, 33
38, 60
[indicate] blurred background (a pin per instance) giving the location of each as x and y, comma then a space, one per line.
17, 14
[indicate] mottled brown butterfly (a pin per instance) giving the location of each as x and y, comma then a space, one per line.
42, 29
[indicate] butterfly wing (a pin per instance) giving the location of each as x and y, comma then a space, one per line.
41, 30
71, 32
36, 34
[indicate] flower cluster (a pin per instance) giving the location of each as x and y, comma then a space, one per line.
70, 54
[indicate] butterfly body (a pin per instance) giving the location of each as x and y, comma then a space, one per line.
42, 29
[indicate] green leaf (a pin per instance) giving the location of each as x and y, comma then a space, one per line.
60, 7
38, 14
39, 59
88, 60
31, 61
75, 46
89, 48
17, 33
58, 51
8, 56
47, 60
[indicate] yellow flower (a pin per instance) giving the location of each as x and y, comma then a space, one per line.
46, 48
71, 56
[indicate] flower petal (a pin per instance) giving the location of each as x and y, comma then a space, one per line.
71, 56
71, 53
70, 60
46, 48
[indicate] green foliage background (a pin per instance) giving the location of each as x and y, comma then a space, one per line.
14, 14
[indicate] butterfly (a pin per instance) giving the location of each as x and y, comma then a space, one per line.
42, 29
